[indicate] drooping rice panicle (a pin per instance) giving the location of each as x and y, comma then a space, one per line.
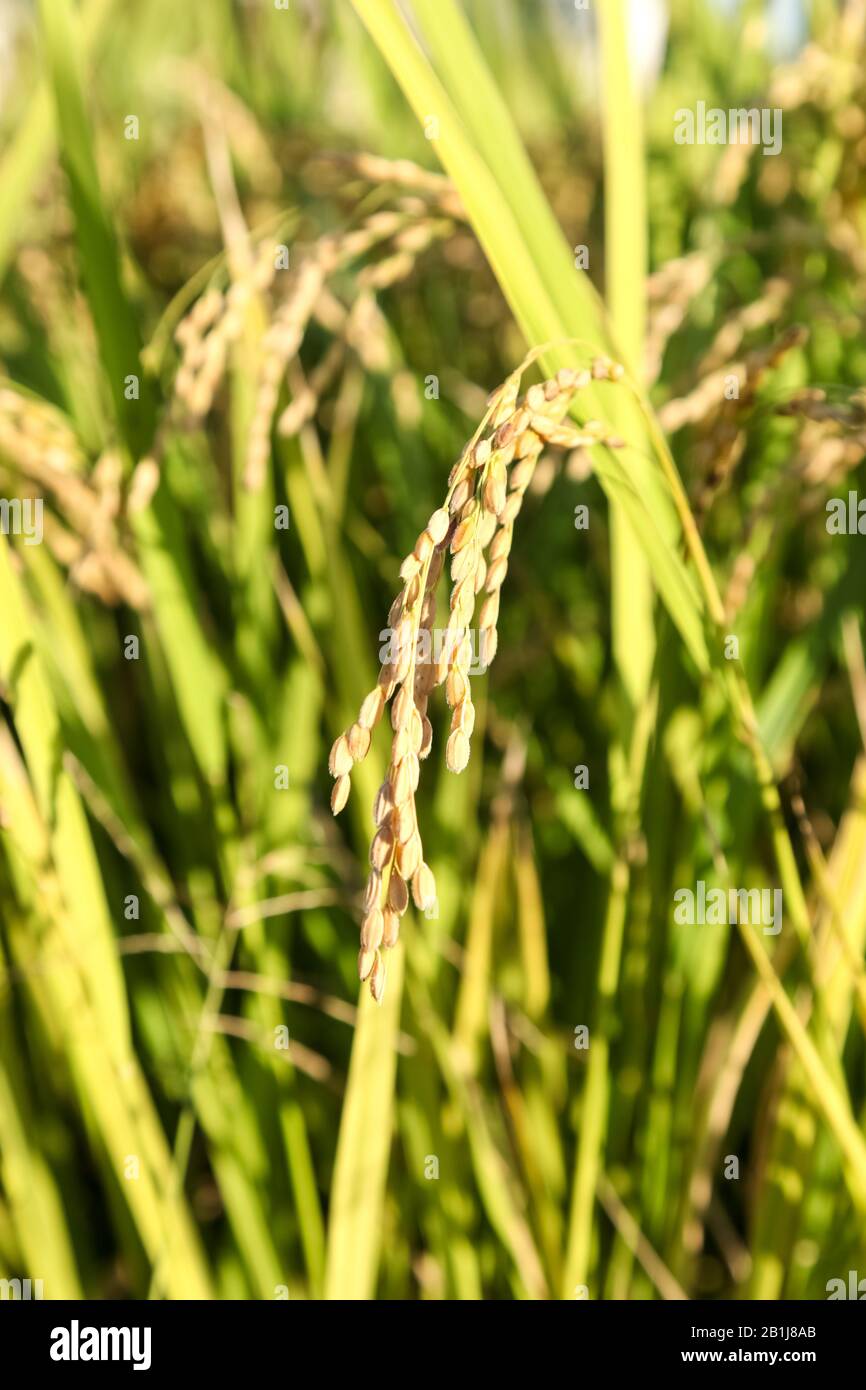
475, 528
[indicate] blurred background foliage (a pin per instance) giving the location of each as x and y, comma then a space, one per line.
173, 888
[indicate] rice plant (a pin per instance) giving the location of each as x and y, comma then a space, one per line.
265, 271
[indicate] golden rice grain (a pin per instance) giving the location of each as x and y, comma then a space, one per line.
340, 793
457, 751
391, 932
423, 887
